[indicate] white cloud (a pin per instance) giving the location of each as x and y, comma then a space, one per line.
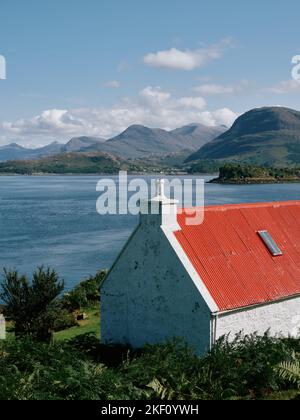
152, 107
114, 84
188, 59
217, 89
223, 116
213, 89
287, 86
154, 95
54, 120
192, 102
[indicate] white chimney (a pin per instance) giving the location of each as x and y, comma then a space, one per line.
160, 210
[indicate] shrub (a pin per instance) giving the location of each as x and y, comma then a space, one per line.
75, 300
87, 293
246, 365
83, 369
64, 321
33, 306
36, 371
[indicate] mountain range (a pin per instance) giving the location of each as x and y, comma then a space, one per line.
135, 142
138, 141
14, 151
267, 136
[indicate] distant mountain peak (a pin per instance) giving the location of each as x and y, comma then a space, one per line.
136, 127
265, 136
15, 146
83, 143
139, 126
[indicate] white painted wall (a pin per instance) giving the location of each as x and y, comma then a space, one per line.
281, 318
149, 297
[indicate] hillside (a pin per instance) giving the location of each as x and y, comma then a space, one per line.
265, 136
79, 144
139, 141
74, 163
85, 163
245, 174
197, 135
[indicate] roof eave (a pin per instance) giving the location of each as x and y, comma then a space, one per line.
254, 306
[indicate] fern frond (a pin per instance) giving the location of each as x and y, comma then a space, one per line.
289, 371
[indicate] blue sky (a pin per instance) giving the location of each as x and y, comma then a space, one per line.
96, 66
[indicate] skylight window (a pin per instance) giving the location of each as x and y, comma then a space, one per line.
270, 243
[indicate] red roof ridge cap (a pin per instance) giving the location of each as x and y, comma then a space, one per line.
225, 207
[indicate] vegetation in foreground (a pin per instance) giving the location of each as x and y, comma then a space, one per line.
81, 369
37, 308
78, 367
247, 174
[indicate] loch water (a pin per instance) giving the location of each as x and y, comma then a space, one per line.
52, 220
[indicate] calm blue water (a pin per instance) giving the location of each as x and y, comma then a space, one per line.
53, 221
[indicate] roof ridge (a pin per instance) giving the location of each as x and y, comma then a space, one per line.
225, 207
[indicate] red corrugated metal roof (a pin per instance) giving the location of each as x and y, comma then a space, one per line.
232, 260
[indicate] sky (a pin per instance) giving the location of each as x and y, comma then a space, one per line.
94, 67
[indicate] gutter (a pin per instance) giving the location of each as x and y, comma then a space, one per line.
258, 305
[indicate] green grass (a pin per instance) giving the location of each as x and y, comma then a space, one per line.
90, 325
10, 333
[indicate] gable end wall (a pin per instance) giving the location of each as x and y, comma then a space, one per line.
148, 297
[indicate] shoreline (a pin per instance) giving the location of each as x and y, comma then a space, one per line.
262, 182
106, 174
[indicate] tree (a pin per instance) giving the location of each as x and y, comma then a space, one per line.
86, 293
33, 306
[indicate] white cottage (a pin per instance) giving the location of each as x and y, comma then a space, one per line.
237, 271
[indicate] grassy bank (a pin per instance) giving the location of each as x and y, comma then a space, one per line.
91, 325
72, 313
